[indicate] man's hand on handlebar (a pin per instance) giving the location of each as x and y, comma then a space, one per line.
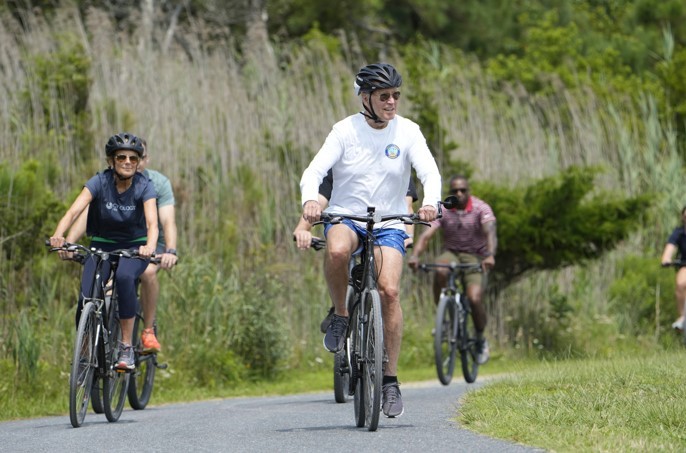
312, 210
427, 213
302, 238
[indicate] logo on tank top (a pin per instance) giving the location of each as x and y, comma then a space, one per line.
115, 207
392, 151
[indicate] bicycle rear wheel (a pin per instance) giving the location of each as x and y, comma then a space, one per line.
468, 346
445, 344
115, 382
96, 395
142, 379
341, 362
83, 366
372, 363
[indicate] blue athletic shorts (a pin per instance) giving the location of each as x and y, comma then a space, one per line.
385, 237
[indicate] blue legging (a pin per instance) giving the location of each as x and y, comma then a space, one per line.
128, 271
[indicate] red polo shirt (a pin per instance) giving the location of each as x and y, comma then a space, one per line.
463, 229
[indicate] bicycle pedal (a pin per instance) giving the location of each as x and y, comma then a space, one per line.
161, 366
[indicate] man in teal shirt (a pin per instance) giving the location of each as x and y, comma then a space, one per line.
166, 250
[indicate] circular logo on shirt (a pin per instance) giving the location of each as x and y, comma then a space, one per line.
392, 151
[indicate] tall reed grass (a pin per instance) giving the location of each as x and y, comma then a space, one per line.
234, 136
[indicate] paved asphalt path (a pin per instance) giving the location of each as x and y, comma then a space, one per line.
299, 423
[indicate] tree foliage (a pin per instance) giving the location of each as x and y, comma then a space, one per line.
557, 221
28, 210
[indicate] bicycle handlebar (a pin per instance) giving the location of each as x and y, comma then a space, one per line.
371, 217
428, 267
79, 257
674, 264
318, 243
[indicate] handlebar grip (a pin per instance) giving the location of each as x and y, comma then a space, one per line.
318, 243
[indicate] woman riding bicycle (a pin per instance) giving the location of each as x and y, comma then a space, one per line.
122, 214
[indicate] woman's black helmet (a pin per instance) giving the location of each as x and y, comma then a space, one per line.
377, 76
124, 140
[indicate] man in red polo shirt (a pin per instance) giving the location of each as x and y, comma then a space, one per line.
469, 236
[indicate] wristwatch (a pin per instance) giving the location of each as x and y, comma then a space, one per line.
172, 251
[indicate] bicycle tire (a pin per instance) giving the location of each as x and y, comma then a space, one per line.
142, 379
341, 362
372, 363
468, 347
356, 383
445, 343
96, 396
115, 383
83, 366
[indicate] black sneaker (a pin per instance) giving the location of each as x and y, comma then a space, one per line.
334, 340
392, 401
326, 321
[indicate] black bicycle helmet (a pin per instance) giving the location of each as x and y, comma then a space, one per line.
124, 140
377, 76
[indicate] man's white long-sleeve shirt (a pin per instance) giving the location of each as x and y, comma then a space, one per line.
371, 167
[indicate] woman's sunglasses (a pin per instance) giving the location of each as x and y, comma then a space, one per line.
122, 158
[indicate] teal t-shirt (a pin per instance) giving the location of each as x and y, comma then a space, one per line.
165, 195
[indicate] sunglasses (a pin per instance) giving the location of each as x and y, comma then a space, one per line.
122, 158
454, 191
383, 97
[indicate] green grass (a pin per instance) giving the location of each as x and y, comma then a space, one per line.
610, 405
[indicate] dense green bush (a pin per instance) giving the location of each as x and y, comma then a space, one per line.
29, 210
643, 296
558, 221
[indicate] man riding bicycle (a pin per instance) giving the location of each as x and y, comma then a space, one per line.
303, 230
371, 155
469, 236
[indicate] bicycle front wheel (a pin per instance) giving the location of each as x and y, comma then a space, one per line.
143, 377
372, 359
356, 386
468, 347
445, 345
115, 382
83, 366
341, 361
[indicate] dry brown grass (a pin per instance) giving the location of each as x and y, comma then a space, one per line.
234, 136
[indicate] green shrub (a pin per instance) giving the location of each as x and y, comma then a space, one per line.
643, 291
259, 337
